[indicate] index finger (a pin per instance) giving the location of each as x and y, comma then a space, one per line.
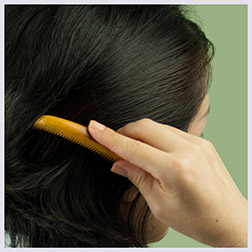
138, 153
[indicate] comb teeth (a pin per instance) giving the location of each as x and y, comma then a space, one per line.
75, 133
103, 155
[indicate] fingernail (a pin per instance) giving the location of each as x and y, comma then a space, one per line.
95, 125
119, 170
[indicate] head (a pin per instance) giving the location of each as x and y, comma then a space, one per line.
114, 64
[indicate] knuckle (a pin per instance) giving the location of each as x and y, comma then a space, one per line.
184, 167
199, 148
133, 145
208, 144
135, 127
204, 146
139, 180
142, 123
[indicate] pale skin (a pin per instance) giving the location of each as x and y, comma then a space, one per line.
181, 177
156, 230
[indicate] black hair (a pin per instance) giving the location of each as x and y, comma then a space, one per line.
114, 64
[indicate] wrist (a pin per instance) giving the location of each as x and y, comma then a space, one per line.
235, 232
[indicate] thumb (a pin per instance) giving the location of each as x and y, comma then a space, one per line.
140, 178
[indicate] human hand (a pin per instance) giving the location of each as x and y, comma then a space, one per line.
182, 178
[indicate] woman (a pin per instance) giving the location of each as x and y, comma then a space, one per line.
116, 64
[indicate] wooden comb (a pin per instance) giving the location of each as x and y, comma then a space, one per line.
75, 133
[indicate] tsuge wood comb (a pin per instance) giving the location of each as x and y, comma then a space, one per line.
75, 133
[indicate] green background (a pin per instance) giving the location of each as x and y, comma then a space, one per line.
226, 27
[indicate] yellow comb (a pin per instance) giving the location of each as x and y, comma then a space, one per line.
73, 132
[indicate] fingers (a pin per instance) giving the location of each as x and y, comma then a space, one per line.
135, 152
148, 186
136, 175
158, 135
